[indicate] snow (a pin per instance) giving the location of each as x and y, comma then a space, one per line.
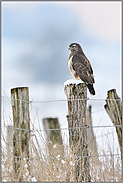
63, 161
58, 157
72, 163
25, 165
4, 180
54, 146
72, 81
34, 179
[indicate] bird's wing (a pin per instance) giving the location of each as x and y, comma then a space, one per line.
83, 68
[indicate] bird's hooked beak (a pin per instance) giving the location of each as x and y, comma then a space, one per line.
69, 48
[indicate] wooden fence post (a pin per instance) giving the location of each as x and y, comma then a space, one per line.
53, 136
91, 139
78, 136
21, 120
114, 109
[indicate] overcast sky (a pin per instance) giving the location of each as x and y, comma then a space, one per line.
102, 19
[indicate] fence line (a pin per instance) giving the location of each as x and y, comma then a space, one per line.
106, 134
101, 155
87, 126
79, 155
62, 100
96, 137
97, 111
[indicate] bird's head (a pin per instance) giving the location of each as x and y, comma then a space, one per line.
75, 47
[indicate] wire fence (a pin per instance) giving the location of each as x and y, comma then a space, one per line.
63, 100
112, 155
65, 157
111, 126
74, 128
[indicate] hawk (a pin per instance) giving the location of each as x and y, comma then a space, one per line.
80, 66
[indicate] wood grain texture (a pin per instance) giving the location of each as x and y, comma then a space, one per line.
21, 119
78, 136
114, 110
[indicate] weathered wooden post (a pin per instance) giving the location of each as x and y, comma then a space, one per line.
21, 120
114, 109
91, 139
77, 100
53, 136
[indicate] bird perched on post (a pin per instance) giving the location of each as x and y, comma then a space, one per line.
80, 66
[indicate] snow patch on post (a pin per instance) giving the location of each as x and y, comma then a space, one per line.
72, 81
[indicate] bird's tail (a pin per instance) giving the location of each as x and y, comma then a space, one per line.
91, 89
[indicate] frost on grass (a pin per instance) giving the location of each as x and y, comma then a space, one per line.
72, 81
54, 166
54, 146
34, 179
62, 161
4, 180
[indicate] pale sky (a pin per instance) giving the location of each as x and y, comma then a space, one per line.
101, 18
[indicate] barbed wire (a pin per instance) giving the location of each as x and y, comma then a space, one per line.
106, 134
63, 100
97, 111
52, 129
20, 157
73, 128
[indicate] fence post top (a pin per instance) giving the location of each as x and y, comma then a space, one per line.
72, 82
20, 87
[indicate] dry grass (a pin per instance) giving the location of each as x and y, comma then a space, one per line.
104, 169
51, 164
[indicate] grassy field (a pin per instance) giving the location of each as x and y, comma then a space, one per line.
52, 164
